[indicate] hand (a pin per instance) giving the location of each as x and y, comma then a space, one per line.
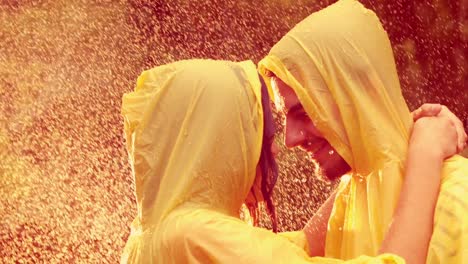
429, 110
435, 135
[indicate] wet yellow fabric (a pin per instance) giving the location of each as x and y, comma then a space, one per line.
193, 133
339, 61
449, 242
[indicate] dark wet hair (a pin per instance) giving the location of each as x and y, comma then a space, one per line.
267, 162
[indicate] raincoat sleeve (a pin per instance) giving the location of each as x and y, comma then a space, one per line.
449, 242
363, 209
229, 240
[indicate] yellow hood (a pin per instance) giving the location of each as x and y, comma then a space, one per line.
193, 131
340, 63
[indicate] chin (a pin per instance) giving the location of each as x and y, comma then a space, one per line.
333, 172
332, 176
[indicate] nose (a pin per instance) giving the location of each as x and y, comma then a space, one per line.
295, 134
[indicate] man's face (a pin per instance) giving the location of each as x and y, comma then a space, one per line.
301, 132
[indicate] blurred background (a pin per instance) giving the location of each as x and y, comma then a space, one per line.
66, 193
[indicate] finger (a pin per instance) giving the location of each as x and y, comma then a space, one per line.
431, 109
464, 142
460, 140
461, 134
427, 110
465, 128
446, 112
456, 148
465, 136
416, 114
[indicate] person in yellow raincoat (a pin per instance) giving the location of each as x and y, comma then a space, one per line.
199, 134
336, 75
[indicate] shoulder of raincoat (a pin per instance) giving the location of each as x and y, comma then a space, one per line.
340, 63
449, 242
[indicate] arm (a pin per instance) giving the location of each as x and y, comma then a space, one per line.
411, 228
316, 228
433, 139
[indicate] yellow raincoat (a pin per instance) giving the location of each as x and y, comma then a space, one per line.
194, 132
339, 61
